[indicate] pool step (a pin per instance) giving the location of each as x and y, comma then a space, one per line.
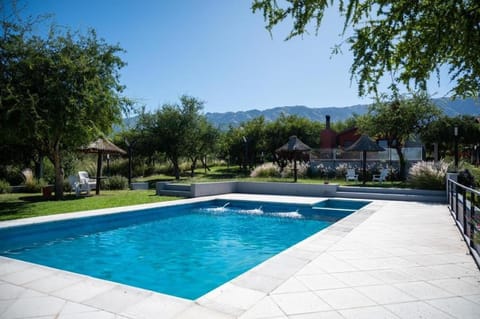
334, 209
391, 194
174, 189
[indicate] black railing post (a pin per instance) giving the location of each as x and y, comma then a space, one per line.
472, 219
471, 226
464, 209
450, 193
456, 202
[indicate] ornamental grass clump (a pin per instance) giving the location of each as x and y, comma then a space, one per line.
428, 175
266, 170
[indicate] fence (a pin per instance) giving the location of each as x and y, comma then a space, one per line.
390, 154
464, 206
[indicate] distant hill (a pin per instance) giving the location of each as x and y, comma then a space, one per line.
223, 120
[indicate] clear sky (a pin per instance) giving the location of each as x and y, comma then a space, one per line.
215, 50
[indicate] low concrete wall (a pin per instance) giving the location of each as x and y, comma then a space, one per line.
160, 186
294, 189
139, 185
287, 189
209, 189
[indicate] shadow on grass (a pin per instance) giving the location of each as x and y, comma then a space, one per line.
18, 207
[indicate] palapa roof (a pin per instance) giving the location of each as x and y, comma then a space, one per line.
365, 144
294, 144
102, 145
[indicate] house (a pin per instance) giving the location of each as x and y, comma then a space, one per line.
333, 144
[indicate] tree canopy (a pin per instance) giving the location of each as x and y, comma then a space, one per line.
57, 92
407, 41
178, 130
396, 119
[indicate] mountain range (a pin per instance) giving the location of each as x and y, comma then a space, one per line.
223, 120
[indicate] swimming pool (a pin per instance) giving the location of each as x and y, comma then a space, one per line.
183, 250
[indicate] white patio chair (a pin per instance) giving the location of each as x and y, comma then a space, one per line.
351, 176
74, 184
85, 183
381, 177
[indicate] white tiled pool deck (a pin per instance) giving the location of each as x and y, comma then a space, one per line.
391, 259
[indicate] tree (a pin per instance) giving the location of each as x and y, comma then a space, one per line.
406, 40
201, 142
59, 91
441, 131
172, 128
244, 144
397, 119
278, 132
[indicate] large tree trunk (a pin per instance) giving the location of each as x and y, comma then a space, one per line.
38, 166
204, 163
57, 164
401, 159
193, 166
176, 168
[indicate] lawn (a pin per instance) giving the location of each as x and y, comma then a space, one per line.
223, 173
21, 205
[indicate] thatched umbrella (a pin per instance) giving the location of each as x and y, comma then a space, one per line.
364, 144
101, 146
291, 150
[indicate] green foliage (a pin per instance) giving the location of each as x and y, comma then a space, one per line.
12, 174
4, 187
408, 41
115, 182
428, 175
33, 185
263, 138
177, 130
60, 90
475, 171
397, 119
441, 131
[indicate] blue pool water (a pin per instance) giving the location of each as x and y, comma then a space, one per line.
183, 250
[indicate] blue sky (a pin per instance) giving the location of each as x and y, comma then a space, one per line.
217, 51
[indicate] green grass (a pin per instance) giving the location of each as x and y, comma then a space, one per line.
21, 205
13, 206
223, 173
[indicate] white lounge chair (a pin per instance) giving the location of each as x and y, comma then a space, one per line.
74, 184
382, 176
351, 176
85, 183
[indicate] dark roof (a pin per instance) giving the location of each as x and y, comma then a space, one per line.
365, 143
294, 144
347, 130
104, 146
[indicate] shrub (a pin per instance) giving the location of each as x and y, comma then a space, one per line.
466, 178
302, 170
11, 174
341, 170
34, 185
428, 175
266, 170
115, 182
4, 187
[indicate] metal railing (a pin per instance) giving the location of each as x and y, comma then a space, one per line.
464, 204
